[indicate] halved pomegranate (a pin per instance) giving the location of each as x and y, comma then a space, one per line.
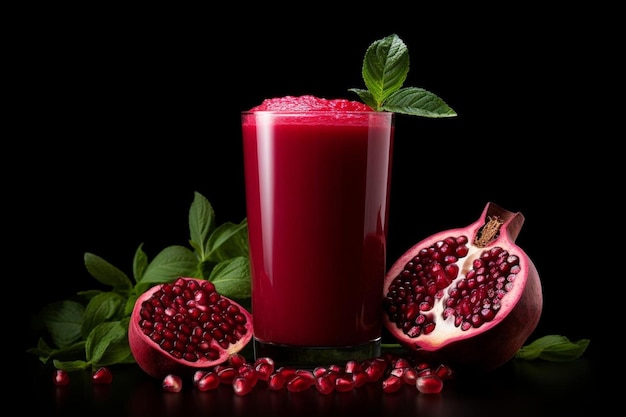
180, 327
468, 297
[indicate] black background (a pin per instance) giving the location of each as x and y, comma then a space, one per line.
123, 114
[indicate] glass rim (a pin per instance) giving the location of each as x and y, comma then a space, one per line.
317, 112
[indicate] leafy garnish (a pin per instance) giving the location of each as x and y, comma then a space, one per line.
92, 330
385, 68
553, 348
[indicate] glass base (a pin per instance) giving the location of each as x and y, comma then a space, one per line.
310, 357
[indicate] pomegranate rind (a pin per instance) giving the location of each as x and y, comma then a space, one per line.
158, 363
495, 342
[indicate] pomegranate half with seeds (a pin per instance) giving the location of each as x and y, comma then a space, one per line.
180, 327
469, 297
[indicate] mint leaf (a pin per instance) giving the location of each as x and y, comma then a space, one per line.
103, 307
106, 273
385, 68
417, 102
45, 352
232, 277
201, 224
140, 263
553, 348
63, 321
228, 241
169, 264
70, 366
102, 336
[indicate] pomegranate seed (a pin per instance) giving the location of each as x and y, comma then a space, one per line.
209, 381
299, 383
102, 376
409, 376
444, 372
197, 376
61, 378
401, 363
320, 371
242, 385
392, 384
360, 378
247, 371
429, 384
276, 381
172, 383
287, 370
352, 366
335, 368
324, 384
344, 383
227, 374
264, 367
236, 360
376, 369
305, 373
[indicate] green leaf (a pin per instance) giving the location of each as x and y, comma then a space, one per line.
118, 350
553, 348
418, 102
102, 336
140, 263
201, 223
228, 241
71, 366
366, 97
106, 273
63, 321
45, 352
232, 277
171, 263
385, 67
103, 307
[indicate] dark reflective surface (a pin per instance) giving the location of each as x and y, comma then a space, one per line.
517, 389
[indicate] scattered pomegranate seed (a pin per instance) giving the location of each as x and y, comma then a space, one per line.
276, 381
209, 381
197, 376
102, 376
324, 384
360, 378
395, 372
236, 360
226, 374
344, 383
248, 371
172, 383
61, 378
429, 384
299, 383
392, 384
444, 372
264, 367
409, 376
242, 385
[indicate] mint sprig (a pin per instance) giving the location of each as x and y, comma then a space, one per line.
553, 348
385, 69
91, 329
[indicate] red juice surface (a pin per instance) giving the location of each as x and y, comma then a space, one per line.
317, 200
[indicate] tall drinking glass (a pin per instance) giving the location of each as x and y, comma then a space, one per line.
317, 195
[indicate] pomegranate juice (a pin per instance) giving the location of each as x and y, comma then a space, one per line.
317, 194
